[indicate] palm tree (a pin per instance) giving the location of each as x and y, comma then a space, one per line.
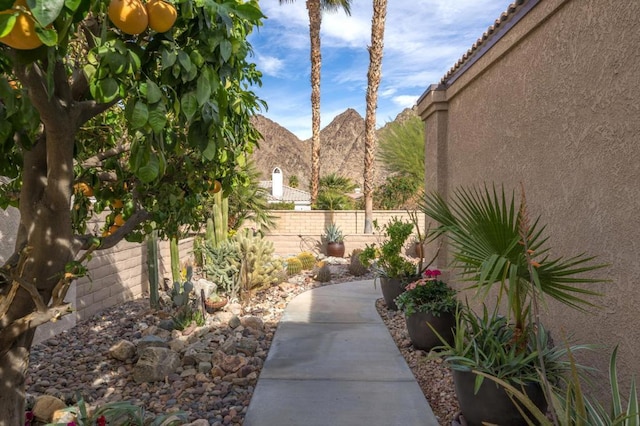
315, 9
373, 82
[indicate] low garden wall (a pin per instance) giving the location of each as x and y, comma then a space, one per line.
120, 273
296, 231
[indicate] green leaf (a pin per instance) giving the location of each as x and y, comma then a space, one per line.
116, 62
225, 49
48, 36
45, 11
7, 22
189, 105
139, 115
203, 91
184, 60
210, 152
149, 172
157, 118
72, 5
153, 92
168, 58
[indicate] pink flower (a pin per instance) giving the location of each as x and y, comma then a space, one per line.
432, 273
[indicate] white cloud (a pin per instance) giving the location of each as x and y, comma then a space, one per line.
405, 101
270, 65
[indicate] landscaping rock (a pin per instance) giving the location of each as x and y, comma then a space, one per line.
155, 364
45, 406
123, 350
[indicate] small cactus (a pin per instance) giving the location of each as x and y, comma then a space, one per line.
356, 267
294, 266
324, 274
307, 259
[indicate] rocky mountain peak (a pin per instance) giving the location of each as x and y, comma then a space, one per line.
341, 149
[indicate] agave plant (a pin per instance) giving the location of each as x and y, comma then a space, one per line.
493, 242
573, 407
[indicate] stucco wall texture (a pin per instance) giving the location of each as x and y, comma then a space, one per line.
555, 104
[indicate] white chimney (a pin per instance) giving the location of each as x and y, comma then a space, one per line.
276, 183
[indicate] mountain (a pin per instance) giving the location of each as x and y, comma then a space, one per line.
341, 149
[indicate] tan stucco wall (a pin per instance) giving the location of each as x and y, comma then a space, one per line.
556, 104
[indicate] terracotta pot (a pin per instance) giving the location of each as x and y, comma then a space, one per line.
492, 403
422, 336
335, 249
391, 288
212, 306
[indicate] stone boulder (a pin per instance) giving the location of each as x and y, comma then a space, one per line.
123, 350
154, 364
45, 406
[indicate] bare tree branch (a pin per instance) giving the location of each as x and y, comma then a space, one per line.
96, 160
86, 241
28, 322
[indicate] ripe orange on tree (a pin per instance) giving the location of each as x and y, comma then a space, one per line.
83, 188
118, 220
216, 187
23, 34
130, 16
162, 15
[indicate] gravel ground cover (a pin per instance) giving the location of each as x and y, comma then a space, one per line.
78, 360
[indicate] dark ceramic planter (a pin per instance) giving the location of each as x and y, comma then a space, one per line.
492, 403
391, 288
335, 249
422, 336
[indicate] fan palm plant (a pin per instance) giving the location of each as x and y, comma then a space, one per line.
493, 242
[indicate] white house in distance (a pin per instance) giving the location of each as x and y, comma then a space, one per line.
281, 193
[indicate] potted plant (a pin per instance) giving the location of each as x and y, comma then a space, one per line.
494, 244
335, 240
214, 302
429, 306
389, 265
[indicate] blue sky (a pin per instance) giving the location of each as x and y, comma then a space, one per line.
423, 40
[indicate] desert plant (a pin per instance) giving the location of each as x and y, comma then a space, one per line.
307, 259
356, 267
183, 287
323, 274
294, 266
493, 243
258, 267
574, 407
223, 265
489, 246
333, 233
119, 413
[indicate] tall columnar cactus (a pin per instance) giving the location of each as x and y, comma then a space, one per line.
154, 269
220, 220
175, 258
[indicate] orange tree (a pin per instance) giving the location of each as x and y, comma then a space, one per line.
92, 97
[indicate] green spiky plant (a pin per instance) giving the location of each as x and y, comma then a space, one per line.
493, 243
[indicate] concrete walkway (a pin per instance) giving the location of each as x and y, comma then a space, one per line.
333, 362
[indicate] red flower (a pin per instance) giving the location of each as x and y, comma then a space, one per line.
102, 421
